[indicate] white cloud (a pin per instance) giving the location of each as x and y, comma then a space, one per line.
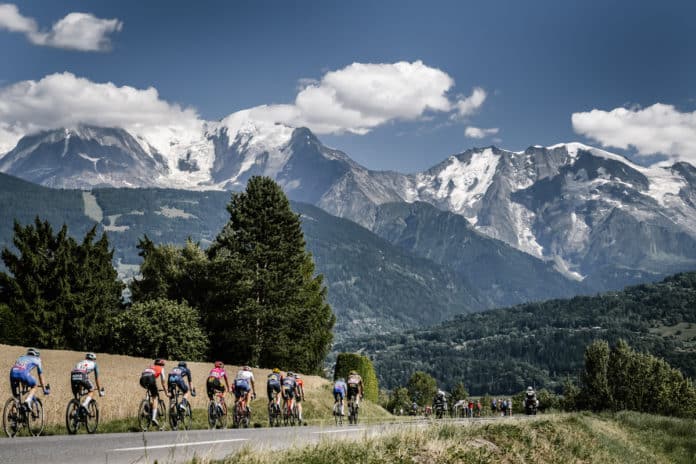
76, 31
479, 133
64, 100
657, 129
469, 105
362, 96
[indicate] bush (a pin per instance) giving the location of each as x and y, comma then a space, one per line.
159, 329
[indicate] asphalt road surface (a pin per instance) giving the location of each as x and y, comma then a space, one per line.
177, 447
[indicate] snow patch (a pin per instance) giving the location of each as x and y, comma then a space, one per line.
112, 227
465, 182
92, 208
174, 213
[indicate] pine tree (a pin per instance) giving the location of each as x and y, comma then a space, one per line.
276, 313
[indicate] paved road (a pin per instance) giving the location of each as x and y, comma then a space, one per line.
176, 447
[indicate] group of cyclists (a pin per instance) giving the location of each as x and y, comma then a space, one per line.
350, 389
289, 386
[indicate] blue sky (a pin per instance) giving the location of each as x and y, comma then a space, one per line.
538, 63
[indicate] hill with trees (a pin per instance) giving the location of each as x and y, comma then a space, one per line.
541, 344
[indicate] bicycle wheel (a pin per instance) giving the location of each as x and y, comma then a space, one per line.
72, 416
92, 417
186, 417
212, 414
173, 415
144, 415
10, 418
161, 413
222, 418
35, 418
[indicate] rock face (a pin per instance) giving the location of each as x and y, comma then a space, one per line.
594, 216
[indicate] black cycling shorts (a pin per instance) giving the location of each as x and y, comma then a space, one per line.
174, 382
80, 380
149, 383
271, 389
353, 391
288, 392
212, 385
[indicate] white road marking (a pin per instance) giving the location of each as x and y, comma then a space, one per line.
178, 445
342, 431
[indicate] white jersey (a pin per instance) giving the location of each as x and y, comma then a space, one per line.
86, 366
245, 375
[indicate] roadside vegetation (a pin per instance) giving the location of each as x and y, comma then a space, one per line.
625, 437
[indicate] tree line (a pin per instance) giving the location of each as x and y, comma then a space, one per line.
252, 297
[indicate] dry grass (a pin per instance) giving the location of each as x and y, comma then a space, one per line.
119, 376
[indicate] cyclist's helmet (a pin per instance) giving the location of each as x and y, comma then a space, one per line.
276, 370
91, 356
219, 364
298, 376
353, 373
530, 389
182, 363
159, 362
246, 368
290, 374
33, 352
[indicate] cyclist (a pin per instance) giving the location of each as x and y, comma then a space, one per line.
79, 378
177, 379
244, 385
20, 375
355, 387
339, 391
288, 389
273, 387
213, 383
148, 380
299, 390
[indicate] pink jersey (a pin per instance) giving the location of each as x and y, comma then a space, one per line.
218, 373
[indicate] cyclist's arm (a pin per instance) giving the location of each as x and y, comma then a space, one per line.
96, 377
41, 380
253, 387
227, 383
164, 387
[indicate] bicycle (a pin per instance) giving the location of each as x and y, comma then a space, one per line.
15, 415
217, 411
179, 410
290, 415
338, 415
76, 414
145, 412
242, 414
274, 414
352, 411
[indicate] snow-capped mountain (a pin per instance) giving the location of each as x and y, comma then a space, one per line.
596, 215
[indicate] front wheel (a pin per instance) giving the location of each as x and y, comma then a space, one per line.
92, 418
144, 415
173, 415
35, 418
212, 414
10, 418
161, 413
186, 417
72, 416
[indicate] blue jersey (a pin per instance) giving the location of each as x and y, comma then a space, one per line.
179, 373
340, 387
25, 364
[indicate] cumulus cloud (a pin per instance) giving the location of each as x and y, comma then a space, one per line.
76, 31
362, 96
479, 133
657, 129
64, 100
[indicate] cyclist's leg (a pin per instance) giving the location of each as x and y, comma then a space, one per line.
30, 382
87, 385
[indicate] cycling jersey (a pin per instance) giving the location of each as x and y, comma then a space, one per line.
300, 388
218, 373
154, 371
87, 366
245, 375
176, 379
289, 386
272, 385
354, 380
79, 376
340, 390
21, 372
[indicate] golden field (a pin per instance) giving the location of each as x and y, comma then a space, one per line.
119, 375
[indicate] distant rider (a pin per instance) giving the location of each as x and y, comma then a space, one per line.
177, 379
355, 387
244, 385
20, 375
531, 403
288, 390
79, 378
299, 397
273, 387
148, 380
339, 391
214, 382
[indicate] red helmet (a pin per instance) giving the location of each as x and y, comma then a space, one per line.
219, 364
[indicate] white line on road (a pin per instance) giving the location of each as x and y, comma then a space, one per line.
342, 431
177, 445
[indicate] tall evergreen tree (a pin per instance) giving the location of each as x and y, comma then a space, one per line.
277, 312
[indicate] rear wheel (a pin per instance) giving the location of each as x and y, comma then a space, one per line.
36, 418
144, 415
212, 414
186, 417
72, 416
92, 418
173, 415
161, 413
10, 418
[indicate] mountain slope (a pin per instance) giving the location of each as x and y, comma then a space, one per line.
504, 350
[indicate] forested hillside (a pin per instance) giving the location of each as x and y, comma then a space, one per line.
541, 344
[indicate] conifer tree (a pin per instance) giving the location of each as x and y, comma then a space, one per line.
276, 311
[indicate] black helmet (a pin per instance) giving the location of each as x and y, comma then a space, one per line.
33, 352
182, 363
159, 362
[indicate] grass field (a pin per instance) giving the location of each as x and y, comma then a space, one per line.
120, 374
626, 437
